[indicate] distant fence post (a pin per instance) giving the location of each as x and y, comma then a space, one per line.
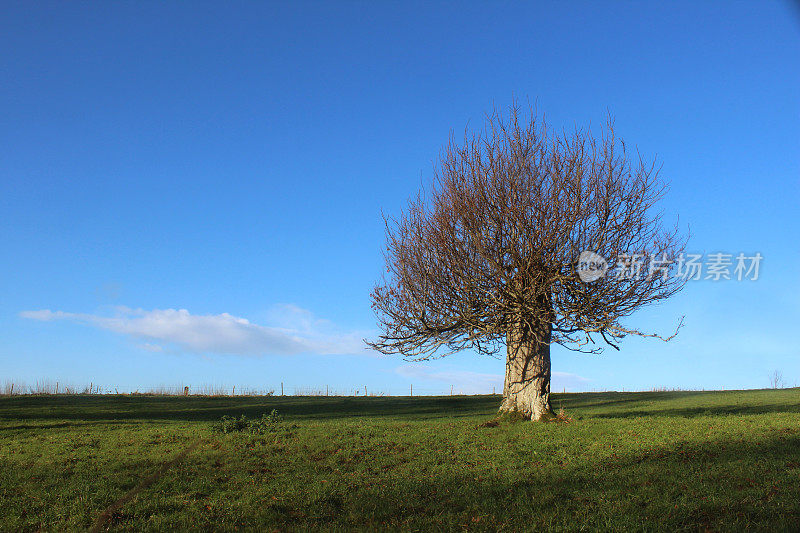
281, 388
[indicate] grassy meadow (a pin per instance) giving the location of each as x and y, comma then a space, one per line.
689, 461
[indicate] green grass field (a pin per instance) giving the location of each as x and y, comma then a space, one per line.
634, 461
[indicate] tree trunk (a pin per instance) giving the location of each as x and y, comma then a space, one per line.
527, 384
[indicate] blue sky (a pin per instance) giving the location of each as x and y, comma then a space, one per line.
191, 193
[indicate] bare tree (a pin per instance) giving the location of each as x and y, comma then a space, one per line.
488, 257
776, 380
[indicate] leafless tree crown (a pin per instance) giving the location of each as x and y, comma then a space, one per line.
492, 246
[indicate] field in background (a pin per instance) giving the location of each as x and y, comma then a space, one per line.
47, 386
51, 387
657, 461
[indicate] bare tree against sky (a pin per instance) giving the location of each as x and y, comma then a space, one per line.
776, 380
487, 257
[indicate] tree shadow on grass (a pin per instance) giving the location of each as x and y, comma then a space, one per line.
62, 425
684, 404
614, 398
715, 485
193, 408
716, 410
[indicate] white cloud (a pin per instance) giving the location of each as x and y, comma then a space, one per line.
566, 381
149, 347
300, 332
464, 381
476, 382
292, 317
